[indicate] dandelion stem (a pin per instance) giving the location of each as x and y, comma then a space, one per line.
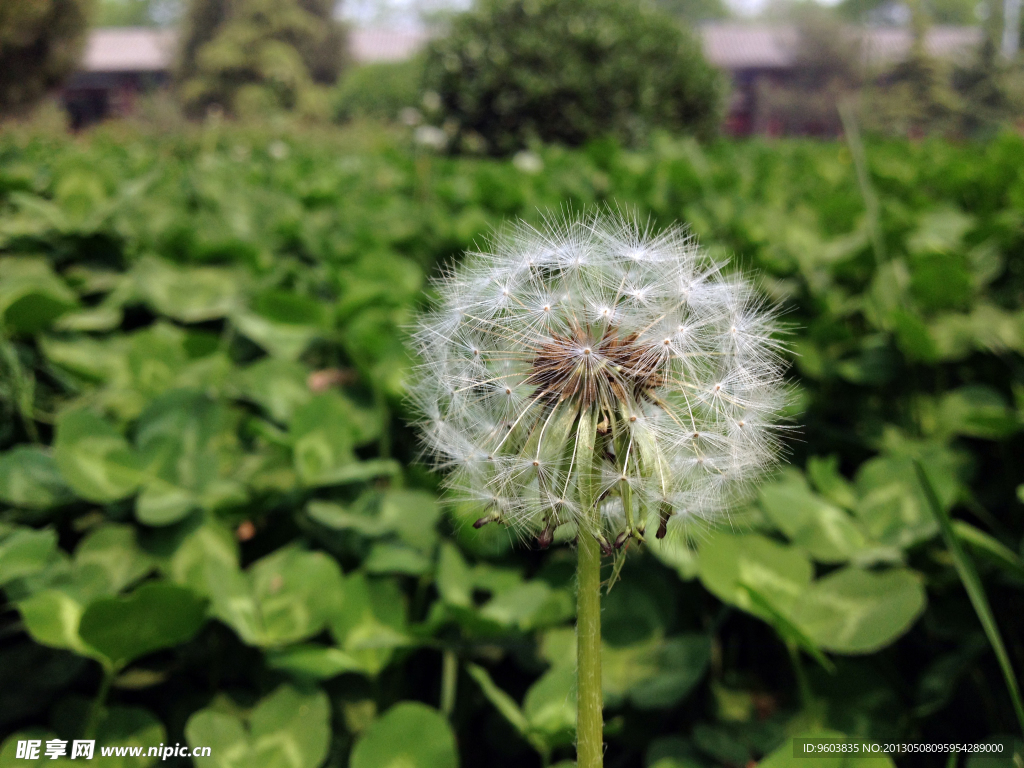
590, 722
589, 718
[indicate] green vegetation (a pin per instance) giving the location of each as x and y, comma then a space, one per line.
515, 71
40, 42
213, 529
258, 57
380, 90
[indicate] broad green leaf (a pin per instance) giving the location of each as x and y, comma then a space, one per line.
282, 323
287, 729
654, 674
454, 577
826, 531
31, 295
285, 597
550, 704
412, 515
386, 557
187, 441
52, 618
892, 506
190, 295
156, 615
29, 478
25, 552
113, 549
409, 735
823, 473
94, 459
324, 436
973, 411
278, 385
371, 622
729, 563
117, 727
676, 553
858, 611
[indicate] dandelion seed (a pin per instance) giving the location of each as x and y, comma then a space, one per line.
595, 374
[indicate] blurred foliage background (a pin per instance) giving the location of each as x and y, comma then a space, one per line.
213, 527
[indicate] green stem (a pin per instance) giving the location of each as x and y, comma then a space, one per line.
975, 590
860, 164
449, 681
802, 683
98, 704
590, 722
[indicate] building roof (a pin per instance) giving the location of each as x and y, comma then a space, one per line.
727, 45
735, 45
129, 49
366, 45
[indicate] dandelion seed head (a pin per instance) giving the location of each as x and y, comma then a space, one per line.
597, 331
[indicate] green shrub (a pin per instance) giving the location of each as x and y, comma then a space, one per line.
567, 71
379, 90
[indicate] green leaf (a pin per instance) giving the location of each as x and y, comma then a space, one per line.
975, 589
285, 597
315, 661
31, 295
858, 611
191, 295
730, 563
826, 531
550, 704
156, 615
95, 460
187, 441
973, 411
29, 478
395, 558
128, 727
678, 664
287, 729
282, 323
52, 618
454, 578
324, 436
113, 549
409, 735
504, 703
371, 623
989, 548
278, 385
25, 552
412, 515
892, 506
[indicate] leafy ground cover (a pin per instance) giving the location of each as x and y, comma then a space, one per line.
214, 531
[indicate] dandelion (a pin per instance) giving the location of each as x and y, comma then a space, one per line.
595, 378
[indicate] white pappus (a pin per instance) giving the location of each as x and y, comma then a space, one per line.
594, 374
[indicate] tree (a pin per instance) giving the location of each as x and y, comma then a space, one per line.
139, 13
692, 11
251, 57
40, 44
567, 71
